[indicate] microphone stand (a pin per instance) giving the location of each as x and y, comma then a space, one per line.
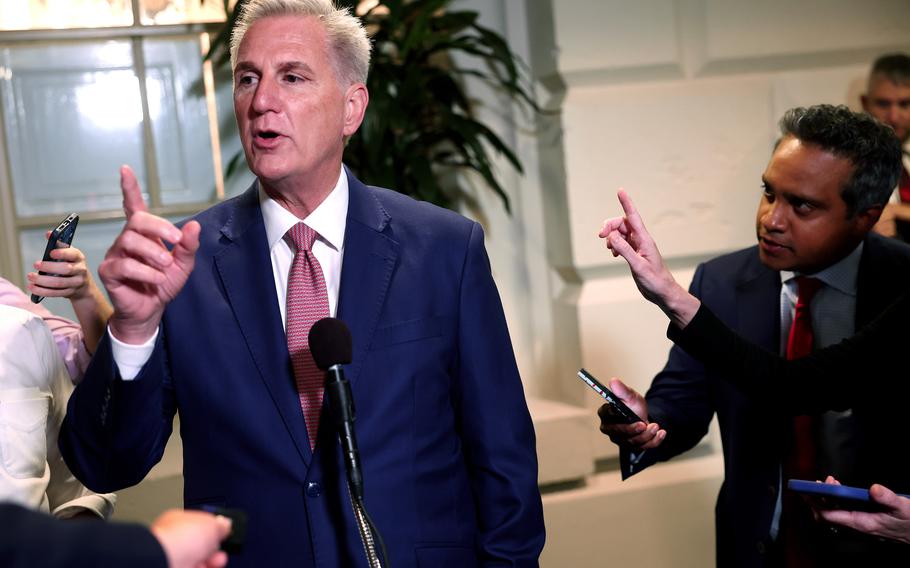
342, 404
365, 527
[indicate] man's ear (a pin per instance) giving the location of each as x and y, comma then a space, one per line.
356, 99
867, 219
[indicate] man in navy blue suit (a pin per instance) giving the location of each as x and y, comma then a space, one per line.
823, 190
446, 442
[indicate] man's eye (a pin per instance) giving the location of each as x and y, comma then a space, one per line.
293, 78
802, 207
245, 80
767, 193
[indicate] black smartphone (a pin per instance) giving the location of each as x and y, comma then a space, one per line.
617, 408
62, 234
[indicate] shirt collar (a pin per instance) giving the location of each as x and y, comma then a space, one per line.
328, 219
841, 275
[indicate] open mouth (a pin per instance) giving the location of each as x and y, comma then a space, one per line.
267, 134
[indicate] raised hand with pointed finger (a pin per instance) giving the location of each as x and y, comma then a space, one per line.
627, 237
140, 273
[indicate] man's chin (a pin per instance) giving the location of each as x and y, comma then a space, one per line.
775, 262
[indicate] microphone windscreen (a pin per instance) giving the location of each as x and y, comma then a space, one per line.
330, 343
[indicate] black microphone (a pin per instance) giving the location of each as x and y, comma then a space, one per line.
330, 344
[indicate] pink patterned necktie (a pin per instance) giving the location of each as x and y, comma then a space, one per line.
307, 303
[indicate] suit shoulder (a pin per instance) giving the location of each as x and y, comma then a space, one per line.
735, 262
429, 219
220, 213
889, 251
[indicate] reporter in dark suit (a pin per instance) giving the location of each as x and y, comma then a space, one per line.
177, 539
854, 372
445, 437
823, 190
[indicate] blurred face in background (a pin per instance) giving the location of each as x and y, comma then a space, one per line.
890, 104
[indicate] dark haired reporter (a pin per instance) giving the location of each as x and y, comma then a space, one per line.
823, 190
830, 378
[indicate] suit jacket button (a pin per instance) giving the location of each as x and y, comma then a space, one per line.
772, 491
313, 489
760, 546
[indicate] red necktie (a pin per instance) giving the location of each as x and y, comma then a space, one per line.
307, 303
904, 186
800, 463
799, 344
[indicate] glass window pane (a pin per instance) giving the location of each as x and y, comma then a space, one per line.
180, 120
231, 149
181, 11
55, 14
72, 115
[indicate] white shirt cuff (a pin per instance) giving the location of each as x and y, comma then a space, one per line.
131, 358
99, 504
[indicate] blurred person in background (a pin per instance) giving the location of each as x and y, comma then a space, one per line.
34, 390
887, 98
68, 278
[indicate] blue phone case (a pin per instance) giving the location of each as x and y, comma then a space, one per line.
844, 496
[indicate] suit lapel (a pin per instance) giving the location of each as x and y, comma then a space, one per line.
758, 305
369, 261
245, 269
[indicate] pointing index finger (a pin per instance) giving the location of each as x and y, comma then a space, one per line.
631, 212
132, 193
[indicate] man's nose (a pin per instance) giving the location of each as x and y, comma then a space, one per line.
265, 98
773, 218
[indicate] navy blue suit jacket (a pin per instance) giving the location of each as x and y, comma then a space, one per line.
29, 539
684, 397
445, 437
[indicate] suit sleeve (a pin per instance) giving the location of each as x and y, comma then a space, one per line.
115, 431
34, 539
679, 399
497, 432
825, 380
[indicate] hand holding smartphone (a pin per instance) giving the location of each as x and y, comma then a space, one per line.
616, 407
60, 237
838, 496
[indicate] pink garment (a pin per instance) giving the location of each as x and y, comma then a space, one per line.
67, 334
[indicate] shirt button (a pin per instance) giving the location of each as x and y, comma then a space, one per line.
313, 489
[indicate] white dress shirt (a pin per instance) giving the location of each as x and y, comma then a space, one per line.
34, 389
329, 220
